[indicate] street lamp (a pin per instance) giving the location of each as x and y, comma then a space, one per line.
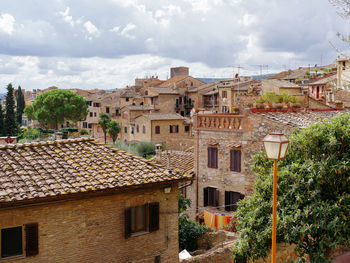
276, 145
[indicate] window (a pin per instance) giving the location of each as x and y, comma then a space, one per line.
211, 196
146, 92
126, 99
91, 114
88, 102
174, 128
107, 109
90, 125
13, 244
187, 128
97, 104
137, 128
231, 199
84, 124
95, 114
224, 94
212, 157
143, 129
235, 160
132, 130
224, 109
125, 129
143, 218
157, 130
117, 111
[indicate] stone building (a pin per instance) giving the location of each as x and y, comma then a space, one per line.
280, 86
224, 145
78, 201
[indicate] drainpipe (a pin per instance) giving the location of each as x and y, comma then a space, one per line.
197, 172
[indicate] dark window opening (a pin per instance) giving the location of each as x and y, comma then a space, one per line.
107, 109
125, 129
91, 114
174, 128
143, 129
137, 128
157, 129
84, 124
182, 113
231, 199
126, 99
11, 242
90, 125
187, 128
211, 196
132, 130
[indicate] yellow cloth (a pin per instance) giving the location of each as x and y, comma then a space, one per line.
209, 219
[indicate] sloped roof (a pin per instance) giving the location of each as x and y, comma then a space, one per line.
163, 116
324, 80
280, 83
173, 80
128, 94
165, 91
56, 168
182, 161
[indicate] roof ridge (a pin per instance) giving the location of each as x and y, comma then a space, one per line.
42, 143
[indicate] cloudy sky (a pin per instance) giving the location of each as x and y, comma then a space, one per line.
106, 44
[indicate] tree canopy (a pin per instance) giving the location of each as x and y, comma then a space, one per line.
113, 130
20, 105
11, 125
56, 106
313, 199
104, 121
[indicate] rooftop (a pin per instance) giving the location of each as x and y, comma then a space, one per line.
165, 90
163, 116
280, 83
178, 160
42, 170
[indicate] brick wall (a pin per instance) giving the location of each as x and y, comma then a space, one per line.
92, 230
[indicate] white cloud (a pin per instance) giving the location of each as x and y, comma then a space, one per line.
125, 32
115, 29
7, 22
66, 17
91, 29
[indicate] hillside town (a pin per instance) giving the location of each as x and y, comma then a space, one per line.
74, 185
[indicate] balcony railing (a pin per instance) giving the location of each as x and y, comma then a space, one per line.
220, 122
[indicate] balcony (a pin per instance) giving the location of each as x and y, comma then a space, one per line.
220, 122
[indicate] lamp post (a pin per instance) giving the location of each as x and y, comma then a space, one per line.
276, 145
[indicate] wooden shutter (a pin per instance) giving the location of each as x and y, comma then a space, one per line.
212, 157
205, 193
127, 222
171, 128
153, 214
235, 160
227, 201
32, 239
215, 153
177, 128
216, 197
209, 157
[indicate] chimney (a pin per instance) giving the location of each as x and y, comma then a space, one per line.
158, 151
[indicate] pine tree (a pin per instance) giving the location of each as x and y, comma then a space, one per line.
11, 126
2, 128
20, 105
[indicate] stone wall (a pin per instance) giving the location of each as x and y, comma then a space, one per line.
284, 253
92, 229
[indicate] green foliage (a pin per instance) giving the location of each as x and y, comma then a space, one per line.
270, 96
189, 231
146, 148
2, 123
30, 134
103, 121
260, 100
11, 125
83, 131
113, 130
56, 106
20, 105
313, 195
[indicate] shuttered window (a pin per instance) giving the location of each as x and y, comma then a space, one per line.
231, 199
144, 218
235, 160
173, 128
211, 196
32, 239
157, 129
212, 157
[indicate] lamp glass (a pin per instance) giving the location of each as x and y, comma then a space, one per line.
284, 148
272, 150
276, 145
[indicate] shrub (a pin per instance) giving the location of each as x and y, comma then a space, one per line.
83, 131
145, 148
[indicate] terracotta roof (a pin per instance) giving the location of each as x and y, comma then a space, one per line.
165, 90
300, 119
280, 83
173, 80
182, 161
163, 116
142, 107
128, 94
324, 80
30, 172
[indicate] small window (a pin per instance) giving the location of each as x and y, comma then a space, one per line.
107, 109
126, 99
117, 111
84, 124
95, 114
235, 160
90, 125
211, 196
143, 129
146, 92
212, 157
174, 128
143, 218
187, 128
137, 128
231, 199
132, 130
157, 128
91, 114
125, 129
224, 94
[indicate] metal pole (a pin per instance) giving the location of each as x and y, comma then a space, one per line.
274, 210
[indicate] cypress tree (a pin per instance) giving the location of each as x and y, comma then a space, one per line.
20, 105
2, 128
11, 126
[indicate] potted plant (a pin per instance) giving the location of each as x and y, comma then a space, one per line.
235, 110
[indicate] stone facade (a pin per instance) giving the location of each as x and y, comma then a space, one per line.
92, 229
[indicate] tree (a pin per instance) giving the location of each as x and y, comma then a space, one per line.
2, 125
20, 105
104, 122
11, 126
56, 106
113, 130
313, 195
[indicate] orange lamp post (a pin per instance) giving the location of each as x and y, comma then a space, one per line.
276, 145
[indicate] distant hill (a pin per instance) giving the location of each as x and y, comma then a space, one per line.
2, 96
257, 77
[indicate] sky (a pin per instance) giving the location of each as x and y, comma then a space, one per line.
106, 44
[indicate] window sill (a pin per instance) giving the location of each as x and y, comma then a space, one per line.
12, 258
141, 233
